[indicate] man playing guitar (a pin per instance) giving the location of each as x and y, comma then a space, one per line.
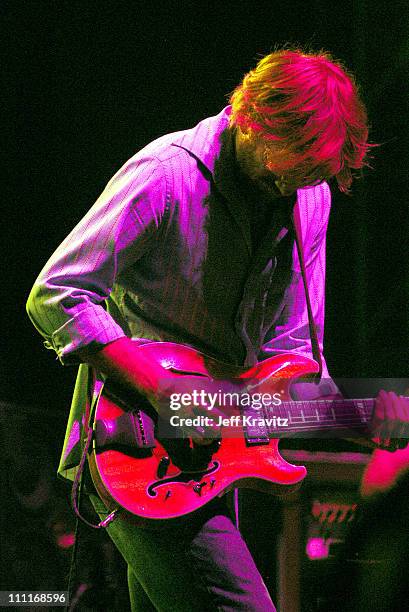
193, 242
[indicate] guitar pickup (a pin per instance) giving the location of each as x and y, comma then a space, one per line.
133, 429
255, 432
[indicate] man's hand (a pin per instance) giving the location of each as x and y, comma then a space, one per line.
198, 403
122, 362
390, 421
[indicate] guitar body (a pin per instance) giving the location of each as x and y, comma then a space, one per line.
146, 492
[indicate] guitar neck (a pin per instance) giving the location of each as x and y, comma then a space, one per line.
325, 415
292, 418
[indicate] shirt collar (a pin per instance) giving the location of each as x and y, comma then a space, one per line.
204, 140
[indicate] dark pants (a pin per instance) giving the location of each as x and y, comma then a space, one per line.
203, 565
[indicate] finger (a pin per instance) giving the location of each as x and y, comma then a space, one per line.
398, 413
401, 418
390, 425
385, 444
379, 409
404, 406
378, 417
401, 408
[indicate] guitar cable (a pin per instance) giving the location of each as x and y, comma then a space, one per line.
236, 508
76, 496
77, 487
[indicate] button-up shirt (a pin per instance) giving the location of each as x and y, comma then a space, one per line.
169, 252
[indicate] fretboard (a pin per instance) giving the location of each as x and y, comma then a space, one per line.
340, 416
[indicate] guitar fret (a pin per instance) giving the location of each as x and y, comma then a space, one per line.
321, 415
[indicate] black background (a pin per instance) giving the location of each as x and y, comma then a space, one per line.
90, 83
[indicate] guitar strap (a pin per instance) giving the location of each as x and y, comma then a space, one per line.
313, 330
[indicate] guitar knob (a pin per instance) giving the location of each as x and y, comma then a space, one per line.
198, 487
163, 466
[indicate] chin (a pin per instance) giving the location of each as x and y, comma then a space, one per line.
268, 188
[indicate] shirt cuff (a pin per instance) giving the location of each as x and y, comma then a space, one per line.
91, 327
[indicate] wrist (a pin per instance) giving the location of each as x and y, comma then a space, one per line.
123, 362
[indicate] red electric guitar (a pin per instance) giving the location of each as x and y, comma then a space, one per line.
157, 480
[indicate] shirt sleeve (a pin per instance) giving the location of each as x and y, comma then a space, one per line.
66, 303
291, 333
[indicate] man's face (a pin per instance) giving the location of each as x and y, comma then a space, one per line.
252, 156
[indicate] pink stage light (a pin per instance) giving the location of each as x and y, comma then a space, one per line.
66, 540
317, 548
